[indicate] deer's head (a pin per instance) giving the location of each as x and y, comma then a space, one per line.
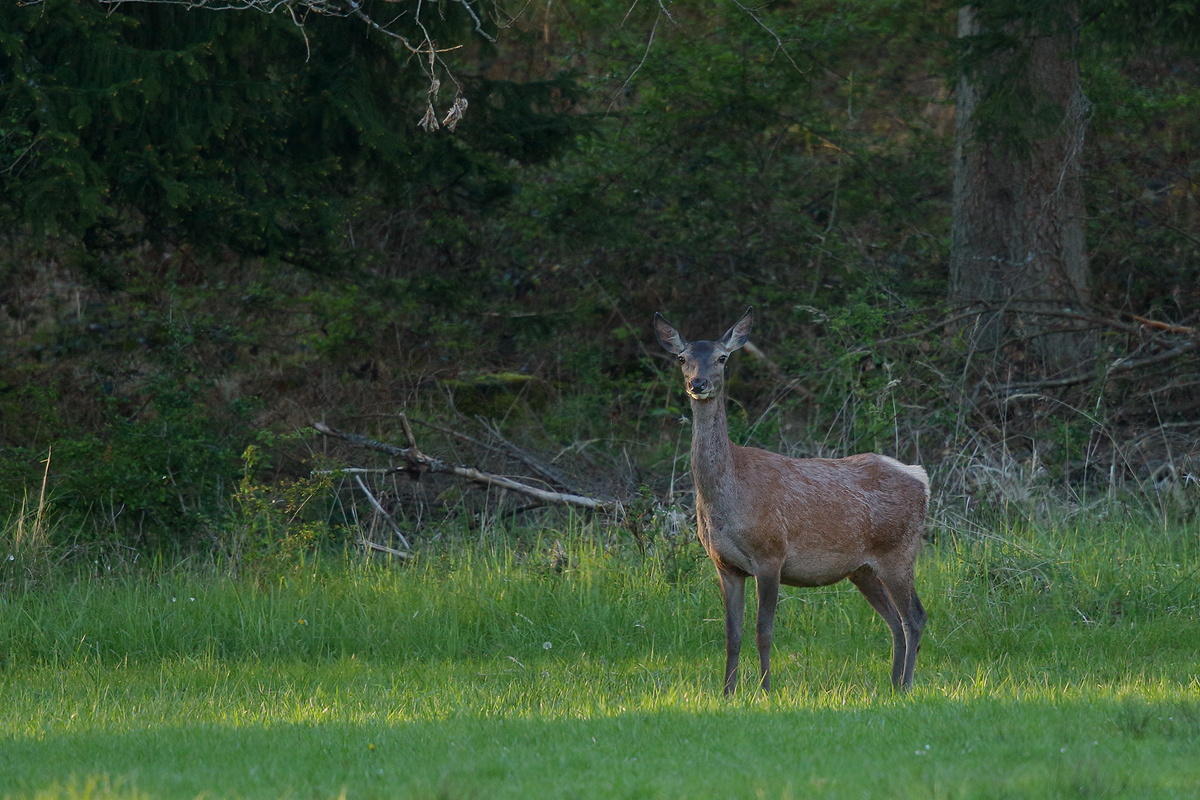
703, 363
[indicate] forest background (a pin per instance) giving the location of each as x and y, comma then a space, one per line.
219, 228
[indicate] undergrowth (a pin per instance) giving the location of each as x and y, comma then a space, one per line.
580, 589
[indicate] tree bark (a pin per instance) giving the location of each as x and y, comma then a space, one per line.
1017, 235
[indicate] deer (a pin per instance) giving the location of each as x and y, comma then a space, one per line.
802, 522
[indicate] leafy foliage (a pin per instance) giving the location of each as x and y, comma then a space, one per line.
731, 168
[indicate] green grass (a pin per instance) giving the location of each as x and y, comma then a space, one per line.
1058, 662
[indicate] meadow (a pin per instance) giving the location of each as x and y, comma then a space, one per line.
1061, 659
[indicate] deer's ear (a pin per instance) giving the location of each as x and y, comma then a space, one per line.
668, 337
736, 336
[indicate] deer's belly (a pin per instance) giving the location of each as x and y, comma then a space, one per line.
751, 551
816, 570
810, 563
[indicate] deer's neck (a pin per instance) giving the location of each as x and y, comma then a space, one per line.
712, 454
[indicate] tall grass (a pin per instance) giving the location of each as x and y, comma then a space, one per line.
469, 603
1011, 590
31, 537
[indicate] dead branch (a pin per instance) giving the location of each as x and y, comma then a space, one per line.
979, 309
793, 384
412, 440
427, 52
375, 504
942, 323
549, 474
1151, 332
1165, 326
379, 548
356, 472
465, 437
1119, 366
422, 462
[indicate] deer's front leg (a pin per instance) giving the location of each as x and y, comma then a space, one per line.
733, 590
768, 599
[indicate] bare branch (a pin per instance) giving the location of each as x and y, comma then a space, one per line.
978, 309
1119, 366
375, 504
551, 475
778, 42
1165, 326
638, 68
412, 440
427, 50
379, 548
426, 463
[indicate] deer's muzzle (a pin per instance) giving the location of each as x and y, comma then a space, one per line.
700, 388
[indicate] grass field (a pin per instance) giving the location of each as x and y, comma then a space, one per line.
1059, 661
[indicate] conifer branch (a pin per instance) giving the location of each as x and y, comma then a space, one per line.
423, 45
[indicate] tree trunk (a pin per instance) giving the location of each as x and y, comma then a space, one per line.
1017, 236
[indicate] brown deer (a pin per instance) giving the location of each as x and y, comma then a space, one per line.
797, 521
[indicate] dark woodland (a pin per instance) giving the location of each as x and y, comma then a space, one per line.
267, 286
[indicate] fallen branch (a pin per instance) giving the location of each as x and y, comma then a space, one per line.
551, 476
1115, 368
793, 384
379, 548
421, 462
1165, 326
548, 474
942, 323
979, 309
375, 505
355, 472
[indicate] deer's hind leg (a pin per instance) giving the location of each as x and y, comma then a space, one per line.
902, 590
916, 623
872, 588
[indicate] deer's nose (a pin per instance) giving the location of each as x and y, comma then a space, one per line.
698, 385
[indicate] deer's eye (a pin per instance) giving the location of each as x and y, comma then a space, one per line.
682, 359
721, 360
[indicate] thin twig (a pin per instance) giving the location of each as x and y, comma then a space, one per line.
778, 41
375, 504
979, 309
1118, 366
637, 69
551, 475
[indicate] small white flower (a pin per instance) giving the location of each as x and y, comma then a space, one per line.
546, 645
